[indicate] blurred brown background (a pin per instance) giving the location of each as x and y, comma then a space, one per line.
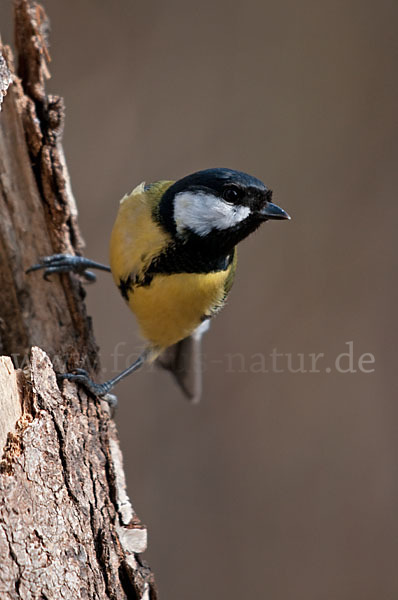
278, 485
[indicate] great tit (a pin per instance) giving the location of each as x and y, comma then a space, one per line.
173, 257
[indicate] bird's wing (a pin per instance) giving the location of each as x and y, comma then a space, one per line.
184, 360
136, 238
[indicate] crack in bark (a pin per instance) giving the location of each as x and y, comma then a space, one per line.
64, 461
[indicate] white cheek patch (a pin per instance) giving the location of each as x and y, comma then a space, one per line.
201, 212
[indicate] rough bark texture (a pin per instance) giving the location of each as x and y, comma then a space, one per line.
67, 528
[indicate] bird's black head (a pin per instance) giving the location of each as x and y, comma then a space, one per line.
217, 207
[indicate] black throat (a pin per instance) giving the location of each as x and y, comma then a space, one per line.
188, 256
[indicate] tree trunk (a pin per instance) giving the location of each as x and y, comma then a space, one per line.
67, 528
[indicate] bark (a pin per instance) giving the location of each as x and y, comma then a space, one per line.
67, 528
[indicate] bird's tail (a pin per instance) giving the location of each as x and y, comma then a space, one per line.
184, 360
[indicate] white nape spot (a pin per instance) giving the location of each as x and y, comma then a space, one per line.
203, 212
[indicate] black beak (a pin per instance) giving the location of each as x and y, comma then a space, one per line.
272, 211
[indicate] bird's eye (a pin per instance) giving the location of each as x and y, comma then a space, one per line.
231, 194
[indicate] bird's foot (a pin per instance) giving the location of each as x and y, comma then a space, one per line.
98, 389
68, 263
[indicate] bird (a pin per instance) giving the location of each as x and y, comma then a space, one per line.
173, 257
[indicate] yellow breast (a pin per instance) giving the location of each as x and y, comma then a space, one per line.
171, 306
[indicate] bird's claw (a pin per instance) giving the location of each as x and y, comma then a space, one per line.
111, 399
64, 263
77, 371
98, 389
